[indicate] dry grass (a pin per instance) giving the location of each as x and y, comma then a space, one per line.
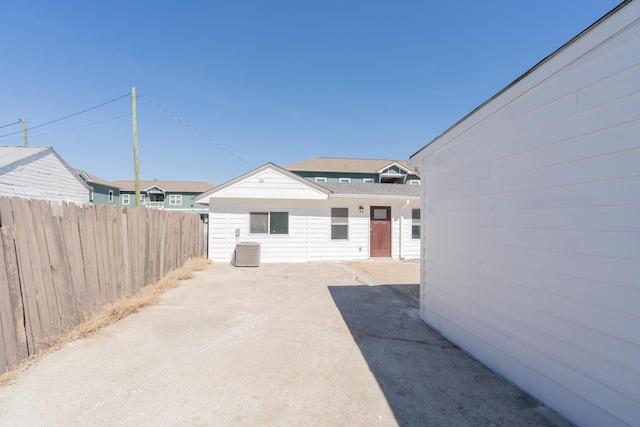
149, 295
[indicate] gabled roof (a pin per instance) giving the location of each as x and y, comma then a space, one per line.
12, 154
169, 186
407, 169
155, 188
16, 153
334, 164
204, 197
92, 178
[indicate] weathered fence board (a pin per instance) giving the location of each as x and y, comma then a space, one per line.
61, 263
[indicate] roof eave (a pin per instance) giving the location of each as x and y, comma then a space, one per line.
523, 76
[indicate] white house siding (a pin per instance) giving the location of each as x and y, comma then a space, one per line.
309, 237
531, 235
269, 184
42, 176
227, 215
322, 248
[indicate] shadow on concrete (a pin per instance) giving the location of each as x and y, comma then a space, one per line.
427, 380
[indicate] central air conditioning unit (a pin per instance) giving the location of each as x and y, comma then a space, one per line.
247, 254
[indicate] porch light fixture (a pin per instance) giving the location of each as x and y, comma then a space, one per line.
361, 209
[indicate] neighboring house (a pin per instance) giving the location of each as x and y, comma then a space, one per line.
328, 169
102, 192
296, 220
172, 195
531, 213
39, 173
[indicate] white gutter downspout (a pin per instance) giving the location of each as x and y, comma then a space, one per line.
400, 226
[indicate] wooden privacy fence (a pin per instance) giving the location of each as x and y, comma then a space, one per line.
61, 263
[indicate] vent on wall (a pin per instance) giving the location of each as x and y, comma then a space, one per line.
247, 254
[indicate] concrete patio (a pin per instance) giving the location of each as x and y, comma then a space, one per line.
334, 344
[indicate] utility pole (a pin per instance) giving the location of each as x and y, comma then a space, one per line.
136, 169
24, 132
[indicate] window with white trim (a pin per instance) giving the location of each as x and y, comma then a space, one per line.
269, 223
339, 223
321, 179
367, 180
414, 182
175, 199
126, 199
415, 223
141, 199
345, 180
110, 196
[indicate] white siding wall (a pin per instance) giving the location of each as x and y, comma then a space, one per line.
309, 237
532, 229
322, 248
227, 215
270, 184
42, 176
410, 248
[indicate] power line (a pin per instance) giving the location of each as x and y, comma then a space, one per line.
178, 119
75, 127
70, 115
11, 124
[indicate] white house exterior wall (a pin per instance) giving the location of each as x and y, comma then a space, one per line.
269, 184
42, 176
531, 232
309, 237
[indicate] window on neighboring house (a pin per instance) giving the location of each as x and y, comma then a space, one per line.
415, 223
142, 199
110, 196
345, 180
414, 182
367, 180
321, 179
126, 199
269, 223
339, 223
175, 199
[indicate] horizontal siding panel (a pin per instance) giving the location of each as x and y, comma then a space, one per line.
608, 270
625, 245
627, 354
611, 322
597, 125
614, 87
518, 214
589, 389
43, 177
595, 144
472, 174
616, 192
539, 280
475, 204
557, 346
611, 44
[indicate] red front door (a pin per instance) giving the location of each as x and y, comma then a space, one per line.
380, 223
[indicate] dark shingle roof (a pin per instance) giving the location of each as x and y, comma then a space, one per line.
371, 189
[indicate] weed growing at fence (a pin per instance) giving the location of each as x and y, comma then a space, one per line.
147, 296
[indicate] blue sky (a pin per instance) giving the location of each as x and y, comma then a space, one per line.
264, 81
